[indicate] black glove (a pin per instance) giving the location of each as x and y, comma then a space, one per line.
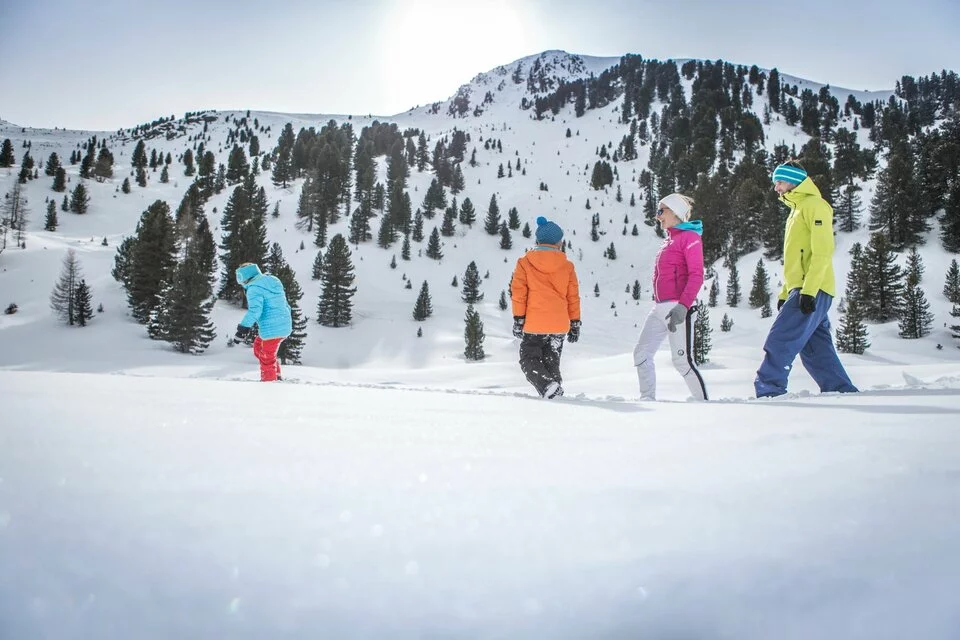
808, 304
242, 333
780, 304
574, 334
518, 326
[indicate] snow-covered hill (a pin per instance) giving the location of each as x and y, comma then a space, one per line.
389, 488
383, 333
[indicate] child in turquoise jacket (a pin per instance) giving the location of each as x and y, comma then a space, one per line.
267, 307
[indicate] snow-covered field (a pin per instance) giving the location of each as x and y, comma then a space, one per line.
389, 489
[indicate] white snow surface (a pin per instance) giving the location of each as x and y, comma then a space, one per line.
389, 489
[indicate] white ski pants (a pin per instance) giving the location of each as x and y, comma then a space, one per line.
681, 350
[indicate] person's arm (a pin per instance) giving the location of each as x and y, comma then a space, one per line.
693, 254
518, 291
573, 295
819, 219
254, 307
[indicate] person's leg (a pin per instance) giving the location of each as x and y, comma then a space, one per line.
819, 356
268, 359
551, 356
790, 332
279, 344
532, 361
681, 350
652, 334
258, 349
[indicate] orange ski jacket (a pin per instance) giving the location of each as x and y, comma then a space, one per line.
545, 290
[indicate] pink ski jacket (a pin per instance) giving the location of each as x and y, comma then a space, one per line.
678, 272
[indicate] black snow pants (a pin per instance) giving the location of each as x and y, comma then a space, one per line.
540, 359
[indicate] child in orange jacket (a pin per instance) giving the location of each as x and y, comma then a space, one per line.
546, 306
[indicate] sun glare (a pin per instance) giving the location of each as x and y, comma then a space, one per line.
431, 47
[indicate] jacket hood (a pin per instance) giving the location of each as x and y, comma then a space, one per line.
268, 283
802, 190
694, 225
246, 273
546, 259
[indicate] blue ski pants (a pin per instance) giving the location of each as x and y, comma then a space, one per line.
807, 335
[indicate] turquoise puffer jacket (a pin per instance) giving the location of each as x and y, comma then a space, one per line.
266, 303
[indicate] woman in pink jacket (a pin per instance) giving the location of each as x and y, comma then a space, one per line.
677, 278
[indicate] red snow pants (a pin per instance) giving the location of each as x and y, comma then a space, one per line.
266, 352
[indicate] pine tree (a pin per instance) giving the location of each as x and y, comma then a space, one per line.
492, 222
14, 214
53, 163
141, 177
513, 219
473, 335
506, 242
950, 221
760, 291
417, 231
65, 206
726, 323
82, 305
701, 334
182, 315
405, 248
60, 180
526, 232
423, 308
951, 286
7, 155
103, 169
895, 207
635, 290
63, 299
50, 222
291, 348
433, 245
125, 187
139, 158
79, 200
915, 266
502, 303
858, 286
447, 229
884, 286
468, 215
848, 209
733, 286
714, 293
471, 293
144, 263
164, 175
335, 308
915, 318
317, 272
955, 328
244, 236
852, 332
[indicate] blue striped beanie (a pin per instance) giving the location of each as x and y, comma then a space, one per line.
787, 173
548, 232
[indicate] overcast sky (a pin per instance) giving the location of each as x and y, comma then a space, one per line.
106, 64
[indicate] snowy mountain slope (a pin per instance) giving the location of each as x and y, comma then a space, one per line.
383, 332
390, 489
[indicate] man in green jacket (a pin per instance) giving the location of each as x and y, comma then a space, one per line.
802, 327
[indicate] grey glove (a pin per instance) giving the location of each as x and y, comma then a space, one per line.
518, 326
676, 317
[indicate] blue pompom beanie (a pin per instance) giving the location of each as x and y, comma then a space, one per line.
548, 232
787, 173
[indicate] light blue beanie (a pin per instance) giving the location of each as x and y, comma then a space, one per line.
787, 173
548, 232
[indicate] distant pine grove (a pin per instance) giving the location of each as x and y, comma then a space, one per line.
711, 146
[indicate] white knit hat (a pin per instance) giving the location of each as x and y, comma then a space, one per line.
679, 204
